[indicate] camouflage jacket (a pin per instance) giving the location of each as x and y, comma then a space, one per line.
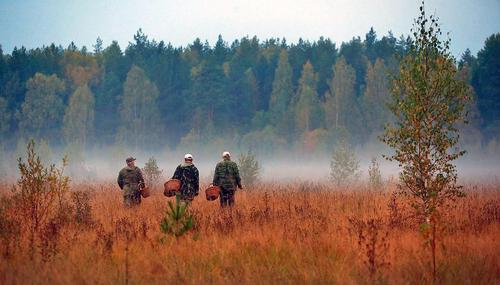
130, 177
227, 175
188, 174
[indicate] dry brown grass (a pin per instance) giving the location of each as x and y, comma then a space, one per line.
297, 233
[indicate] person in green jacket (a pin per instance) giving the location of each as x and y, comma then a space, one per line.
130, 180
227, 177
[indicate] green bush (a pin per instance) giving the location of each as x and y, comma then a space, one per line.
249, 168
177, 221
344, 166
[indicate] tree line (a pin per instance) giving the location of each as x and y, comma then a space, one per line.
253, 94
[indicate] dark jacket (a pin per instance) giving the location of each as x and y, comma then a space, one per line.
189, 176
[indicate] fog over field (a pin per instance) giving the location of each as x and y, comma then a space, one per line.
476, 166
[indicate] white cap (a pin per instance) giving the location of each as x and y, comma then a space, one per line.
226, 154
188, 156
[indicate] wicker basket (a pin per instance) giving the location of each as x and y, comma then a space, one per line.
212, 193
171, 187
145, 192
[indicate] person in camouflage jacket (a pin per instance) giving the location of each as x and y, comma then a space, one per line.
189, 176
227, 177
130, 180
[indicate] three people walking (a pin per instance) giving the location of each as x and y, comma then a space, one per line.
226, 176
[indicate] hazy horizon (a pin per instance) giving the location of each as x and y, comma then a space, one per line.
103, 163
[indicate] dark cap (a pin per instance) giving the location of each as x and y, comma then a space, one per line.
130, 159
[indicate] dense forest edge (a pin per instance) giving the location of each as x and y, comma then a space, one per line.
269, 96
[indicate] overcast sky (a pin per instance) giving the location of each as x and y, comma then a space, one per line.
32, 23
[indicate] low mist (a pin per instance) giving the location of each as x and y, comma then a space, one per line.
478, 165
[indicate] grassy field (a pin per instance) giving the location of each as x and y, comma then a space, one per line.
292, 234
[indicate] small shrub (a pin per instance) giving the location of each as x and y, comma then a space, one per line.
344, 166
249, 168
374, 175
177, 221
372, 241
38, 190
83, 210
152, 173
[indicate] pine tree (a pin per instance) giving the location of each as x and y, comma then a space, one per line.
107, 96
177, 220
323, 56
281, 95
208, 98
220, 51
98, 47
376, 97
78, 121
485, 81
5, 117
470, 131
370, 41
341, 108
308, 113
354, 54
139, 110
247, 104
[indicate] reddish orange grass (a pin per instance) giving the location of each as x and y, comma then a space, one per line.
276, 233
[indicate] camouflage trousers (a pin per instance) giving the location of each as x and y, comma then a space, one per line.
131, 195
226, 197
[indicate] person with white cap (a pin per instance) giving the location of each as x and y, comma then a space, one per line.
189, 176
130, 180
227, 177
